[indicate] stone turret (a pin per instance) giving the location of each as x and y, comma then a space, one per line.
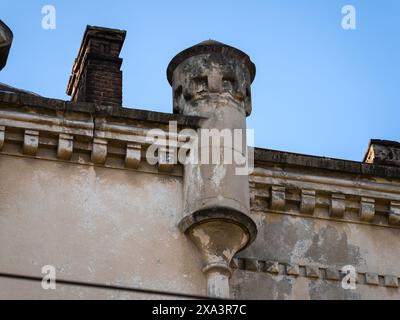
212, 80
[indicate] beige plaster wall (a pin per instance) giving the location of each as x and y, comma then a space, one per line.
118, 226
319, 243
93, 224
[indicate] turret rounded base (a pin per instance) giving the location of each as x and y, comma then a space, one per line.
218, 235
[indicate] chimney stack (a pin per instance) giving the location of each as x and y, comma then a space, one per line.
96, 75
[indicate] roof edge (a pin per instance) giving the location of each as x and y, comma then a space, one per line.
27, 100
324, 163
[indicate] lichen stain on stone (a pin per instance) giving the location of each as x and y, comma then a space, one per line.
331, 291
197, 177
330, 246
301, 241
283, 233
202, 236
254, 285
301, 247
219, 173
230, 253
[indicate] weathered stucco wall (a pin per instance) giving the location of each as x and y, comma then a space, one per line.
116, 226
297, 243
313, 223
93, 224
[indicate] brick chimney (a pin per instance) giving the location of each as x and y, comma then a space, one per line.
96, 75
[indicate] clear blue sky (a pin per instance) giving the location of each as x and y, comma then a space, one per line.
318, 90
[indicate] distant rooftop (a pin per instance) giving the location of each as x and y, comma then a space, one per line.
7, 88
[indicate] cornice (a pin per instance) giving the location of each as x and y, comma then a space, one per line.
86, 133
313, 272
267, 157
313, 196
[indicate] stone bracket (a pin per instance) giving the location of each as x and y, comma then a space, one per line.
165, 159
338, 205
394, 214
367, 209
372, 278
2, 136
272, 267
391, 281
293, 270
31, 142
332, 274
65, 146
252, 265
278, 198
133, 155
307, 204
99, 151
312, 272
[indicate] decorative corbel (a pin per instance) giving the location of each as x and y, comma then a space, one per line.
133, 155
394, 214
65, 146
99, 151
2, 136
338, 205
165, 159
367, 209
31, 142
307, 204
278, 198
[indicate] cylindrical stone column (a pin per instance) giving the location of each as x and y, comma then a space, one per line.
212, 80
